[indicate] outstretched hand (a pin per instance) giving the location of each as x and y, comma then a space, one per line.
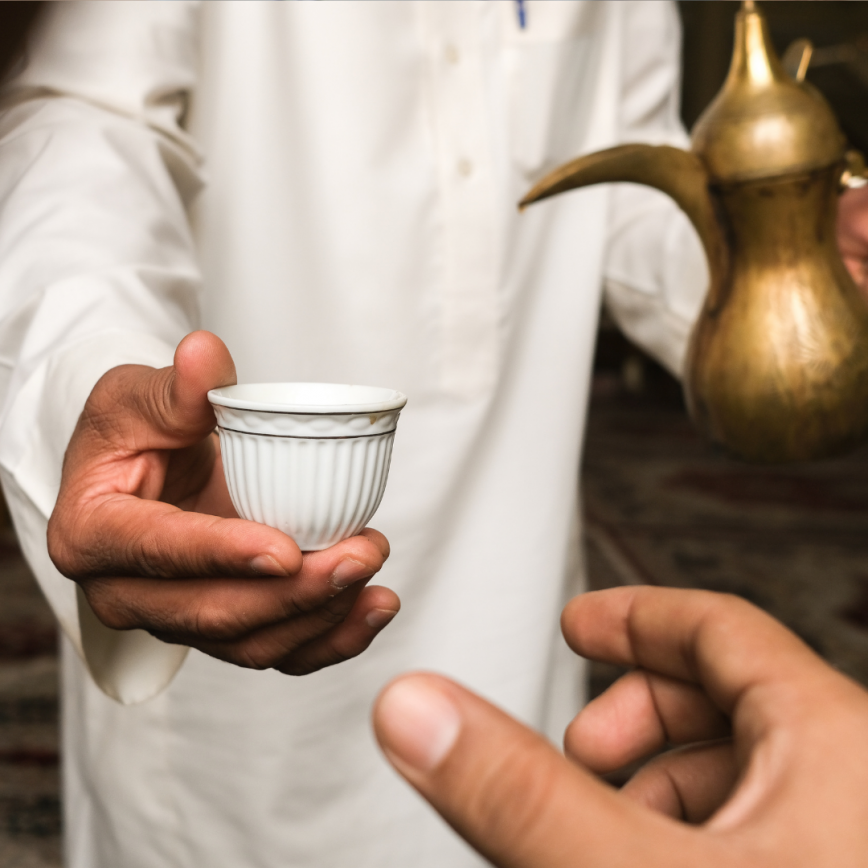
145, 525
772, 767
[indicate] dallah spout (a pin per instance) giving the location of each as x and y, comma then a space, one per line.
679, 174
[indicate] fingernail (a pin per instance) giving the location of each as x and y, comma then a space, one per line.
349, 571
378, 618
266, 565
417, 723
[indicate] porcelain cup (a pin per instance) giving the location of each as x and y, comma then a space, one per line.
310, 459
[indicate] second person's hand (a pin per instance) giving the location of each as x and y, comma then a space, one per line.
852, 231
788, 788
144, 524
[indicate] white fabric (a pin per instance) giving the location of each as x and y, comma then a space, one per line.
358, 224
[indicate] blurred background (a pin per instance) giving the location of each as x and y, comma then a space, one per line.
661, 505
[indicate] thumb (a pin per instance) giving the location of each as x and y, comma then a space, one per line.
202, 362
507, 791
171, 402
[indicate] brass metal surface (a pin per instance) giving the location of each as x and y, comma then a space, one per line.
762, 122
777, 365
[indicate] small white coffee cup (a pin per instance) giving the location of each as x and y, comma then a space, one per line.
310, 459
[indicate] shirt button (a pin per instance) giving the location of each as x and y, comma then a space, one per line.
465, 168
452, 54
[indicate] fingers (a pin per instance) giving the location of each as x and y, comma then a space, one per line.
255, 646
338, 630
637, 716
371, 613
224, 609
122, 535
719, 641
507, 791
198, 575
137, 424
690, 783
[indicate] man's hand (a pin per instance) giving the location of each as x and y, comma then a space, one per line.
853, 235
144, 524
788, 787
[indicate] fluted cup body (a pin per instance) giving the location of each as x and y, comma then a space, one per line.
310, 459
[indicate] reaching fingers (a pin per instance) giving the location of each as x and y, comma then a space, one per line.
640, 714
508, 792
637, 716
689, 783
716, 640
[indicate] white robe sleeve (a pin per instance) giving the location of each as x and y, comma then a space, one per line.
655, 275
97, 266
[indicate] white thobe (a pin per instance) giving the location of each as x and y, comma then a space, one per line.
361, 163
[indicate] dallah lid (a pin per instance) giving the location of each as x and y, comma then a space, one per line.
762, 123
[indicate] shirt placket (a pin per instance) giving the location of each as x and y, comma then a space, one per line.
469, 339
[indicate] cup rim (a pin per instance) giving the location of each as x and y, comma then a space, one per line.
380, 400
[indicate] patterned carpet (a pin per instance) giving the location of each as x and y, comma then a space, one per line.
661, 507
29, 797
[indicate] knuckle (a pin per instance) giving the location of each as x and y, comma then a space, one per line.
253, 657
156, 399
102, 416
147, 551
331, 616
67, 545
298, 607
292, 608
112, 617
108, 605
215, 622
58, 550
120, 398
334, 654
143, 561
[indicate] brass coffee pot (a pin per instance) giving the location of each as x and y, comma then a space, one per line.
777, 364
